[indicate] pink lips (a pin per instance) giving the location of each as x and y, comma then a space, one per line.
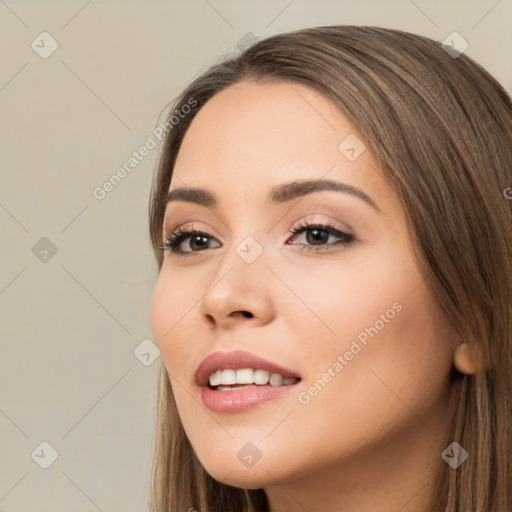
238, 400
235, 361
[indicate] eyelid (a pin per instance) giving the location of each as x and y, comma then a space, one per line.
184, 232
324, 212
300, 220
336, 208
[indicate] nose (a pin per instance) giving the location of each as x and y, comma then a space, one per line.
239, 292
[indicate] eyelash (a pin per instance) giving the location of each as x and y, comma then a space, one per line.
176, 237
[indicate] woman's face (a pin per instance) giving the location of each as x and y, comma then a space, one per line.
352, 316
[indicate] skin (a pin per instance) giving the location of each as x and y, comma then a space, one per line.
372, 438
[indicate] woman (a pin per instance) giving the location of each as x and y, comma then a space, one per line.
334, 299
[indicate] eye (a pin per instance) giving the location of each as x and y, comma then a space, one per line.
179, 235
320, 233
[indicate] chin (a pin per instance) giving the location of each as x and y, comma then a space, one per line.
231, 471
244, 478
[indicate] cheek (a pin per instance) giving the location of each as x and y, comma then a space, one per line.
161, 309
377, 314
335, 301
171, 302
393, 375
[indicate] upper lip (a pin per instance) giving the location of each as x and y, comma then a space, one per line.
236, 360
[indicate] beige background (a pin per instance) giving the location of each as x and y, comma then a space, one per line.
72, 323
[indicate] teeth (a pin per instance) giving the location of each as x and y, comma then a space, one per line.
215, 378
248, 376
230, 388
261, 377
245, 376
228, 377
276, 379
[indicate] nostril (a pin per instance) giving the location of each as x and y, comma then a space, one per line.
247, 314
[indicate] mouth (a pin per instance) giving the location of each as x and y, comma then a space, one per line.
235, 382
231, 379
227, 371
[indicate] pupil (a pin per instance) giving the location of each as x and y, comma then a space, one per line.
199, 237
322, 238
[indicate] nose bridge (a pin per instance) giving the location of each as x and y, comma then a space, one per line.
243, 257
240, 283
246, 237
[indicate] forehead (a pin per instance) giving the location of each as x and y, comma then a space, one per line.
255, 135
256, 122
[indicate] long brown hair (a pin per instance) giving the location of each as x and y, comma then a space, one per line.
441, 128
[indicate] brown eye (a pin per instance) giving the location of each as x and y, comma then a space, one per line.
198, 241
318, 234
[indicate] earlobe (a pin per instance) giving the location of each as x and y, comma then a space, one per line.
468, 358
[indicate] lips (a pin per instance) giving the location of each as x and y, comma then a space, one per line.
236, 360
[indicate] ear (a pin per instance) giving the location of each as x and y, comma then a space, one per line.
468, 358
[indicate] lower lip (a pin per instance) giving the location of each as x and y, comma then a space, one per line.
242, 399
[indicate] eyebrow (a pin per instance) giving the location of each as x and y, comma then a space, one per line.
279, 194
